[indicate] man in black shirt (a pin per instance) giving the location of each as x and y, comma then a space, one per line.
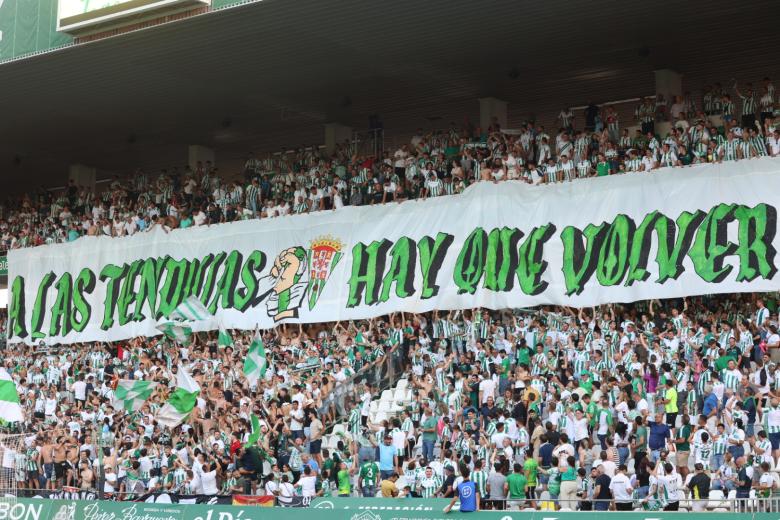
601, 493
700, 487
552, 435
744, 478
545, 452
448, 487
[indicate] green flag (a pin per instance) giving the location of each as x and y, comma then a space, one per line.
176, 331
130, 395
191, 309
224, 339
10, 408
255, 363
254, 433
181, 402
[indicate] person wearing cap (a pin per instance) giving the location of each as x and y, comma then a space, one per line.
388, 458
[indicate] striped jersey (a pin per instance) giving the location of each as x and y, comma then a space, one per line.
728, 150
428, 486
566, 170
748, 104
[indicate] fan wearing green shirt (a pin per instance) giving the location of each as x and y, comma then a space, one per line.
515, 487
368, 478
531, 471
429, 435
343, 478
682, 442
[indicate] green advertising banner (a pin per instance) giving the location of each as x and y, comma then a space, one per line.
381, 504
3, 266
40, 509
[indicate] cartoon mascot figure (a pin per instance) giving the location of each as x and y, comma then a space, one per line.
286, 283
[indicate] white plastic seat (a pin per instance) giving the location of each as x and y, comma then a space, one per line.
373, 406
387, 395
339, 428
380, 417
717, 500
384, 406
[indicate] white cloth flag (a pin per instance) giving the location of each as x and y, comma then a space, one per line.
181, 402
130, 395
191, 309
10, 409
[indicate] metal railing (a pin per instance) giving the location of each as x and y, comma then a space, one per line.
724, 504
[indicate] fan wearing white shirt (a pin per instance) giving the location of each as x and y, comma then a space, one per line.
307, 483
773, 143
669, 485
208, 479
622, 491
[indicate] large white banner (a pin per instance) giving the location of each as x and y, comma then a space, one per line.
686, 231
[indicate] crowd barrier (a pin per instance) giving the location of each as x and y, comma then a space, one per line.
717, 501
37, 509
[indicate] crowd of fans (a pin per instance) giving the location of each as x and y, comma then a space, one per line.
432, 164
639, 405
624, 406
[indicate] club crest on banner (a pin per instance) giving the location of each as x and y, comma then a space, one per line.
324, 254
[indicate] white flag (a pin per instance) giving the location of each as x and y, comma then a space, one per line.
10, 409
181, 401
191, 309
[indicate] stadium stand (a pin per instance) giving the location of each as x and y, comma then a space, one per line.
433, 164
656, 405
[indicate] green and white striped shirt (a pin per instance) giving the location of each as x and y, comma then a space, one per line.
728, 150
719, 445
748, 104
691, 401
434, 187
429, 486
252, 193
480, 479
354, 421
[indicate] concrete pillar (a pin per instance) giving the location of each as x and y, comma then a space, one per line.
491, 109
668, 83
200, 153
82, 175
336, 133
